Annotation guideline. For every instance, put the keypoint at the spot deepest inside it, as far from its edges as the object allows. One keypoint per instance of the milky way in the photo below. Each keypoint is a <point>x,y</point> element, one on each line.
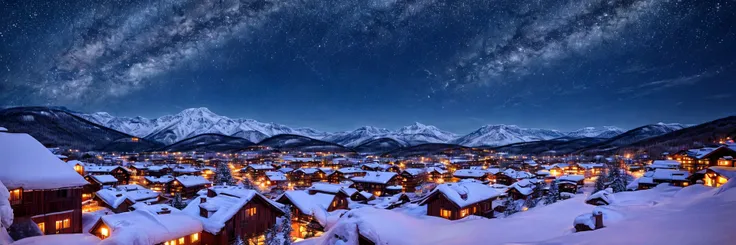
<point>498,53</point>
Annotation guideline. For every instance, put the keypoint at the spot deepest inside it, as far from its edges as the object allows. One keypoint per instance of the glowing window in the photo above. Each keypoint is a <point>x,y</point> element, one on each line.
<point>251,211</point>
<point>181,240</point>
<point>15,196</point>
<point>42,227</point>
<point>67,223</point>
<point>104,232</point>
<point>464,212</point>
<point>444,213</point>
<point>195,237</point>
<point>59,225</point>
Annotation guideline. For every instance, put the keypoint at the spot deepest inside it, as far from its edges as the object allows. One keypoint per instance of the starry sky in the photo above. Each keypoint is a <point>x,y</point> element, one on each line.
<point>341,64</point>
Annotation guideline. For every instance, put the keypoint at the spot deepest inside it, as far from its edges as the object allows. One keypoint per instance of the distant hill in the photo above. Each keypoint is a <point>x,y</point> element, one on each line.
<point>425,149</point>
<point>695,136</point>
<point>379,145</point>
<point>56,127</point>
<point>210,143</point>
<point>633,136</point>
<point>291,142</point>
<point>558,146</point>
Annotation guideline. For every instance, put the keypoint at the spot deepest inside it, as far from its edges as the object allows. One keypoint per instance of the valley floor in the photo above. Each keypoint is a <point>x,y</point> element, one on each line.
<point>663,215</point>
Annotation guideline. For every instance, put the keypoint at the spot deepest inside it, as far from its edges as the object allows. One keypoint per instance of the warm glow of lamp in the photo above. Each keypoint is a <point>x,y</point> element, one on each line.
<point>104,232</point>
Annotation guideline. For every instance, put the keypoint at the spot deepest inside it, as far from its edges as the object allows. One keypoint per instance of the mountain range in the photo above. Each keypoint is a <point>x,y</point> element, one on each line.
<point>196,121</point>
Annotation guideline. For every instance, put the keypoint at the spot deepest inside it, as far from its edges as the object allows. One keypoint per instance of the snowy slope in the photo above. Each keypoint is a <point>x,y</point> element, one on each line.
<point>593,132</point>
<point>496,135</point>
<point>637,134</point>
<point>195,121</point>
<point>414,134</point>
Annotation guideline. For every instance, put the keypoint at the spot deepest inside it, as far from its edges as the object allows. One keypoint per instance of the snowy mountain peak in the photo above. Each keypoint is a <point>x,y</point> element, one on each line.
<point>593,132</point>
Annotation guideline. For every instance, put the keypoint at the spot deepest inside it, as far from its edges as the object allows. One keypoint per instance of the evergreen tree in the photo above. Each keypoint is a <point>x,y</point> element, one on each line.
<point>223,175</point>
<point>600,182</point>
<point>239,241</point>
<point>537,196</point>
<point>511,207</point>
<point>177,202</point>
<point>618,181</point>
<point>286,226</point>
<point>553,194</point>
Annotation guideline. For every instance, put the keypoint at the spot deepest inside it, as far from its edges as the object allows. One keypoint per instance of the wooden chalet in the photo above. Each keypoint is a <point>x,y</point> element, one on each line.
<point>228,212</point>
<point>379,167</point>
<point>377,183</point>
<point>718,175</point>
<point>188,185</point>
<point>304,204</point>
<point>412,177</point>
<point>523,189</point>
<point>150,224</point>
<point>455,201</point>
<point>119,172</point>
<point>161,184</point>
<point>476,174</point>
<point>510,176</point>
<point>120,199</point>
<point>344,174</point>
<point>96,183</point>
<point>570,183</point>
<point>694,160</point>
<point>304,177</point>
<point>437,174</point>
<point>257,171</point>
<point>44,191</point>
<point>158,170</point>
<point>661,175</point>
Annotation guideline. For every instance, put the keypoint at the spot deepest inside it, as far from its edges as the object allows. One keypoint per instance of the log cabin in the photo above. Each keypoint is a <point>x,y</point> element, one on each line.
<point>304,177</point>
<point>412,177</point>
<point>376,182</point>
<point>149,224</point>
<point>188,185</point>
<point>159,184</point>
<point>44,191</point>
<point>570,183</point>
<point>304,205</point>
<point>523,189</point>
<point>717,176</point>
<point>660,175</point>
<point>480,175</point>
<point>228,212</point>
<point>695,160</point>
<point>96,183</point>
<point>344,174</point>
<point>120,199</point>
<point>158,170</point>
<point>119,172</point>
<point>437,174</point>
<point>455,201</point>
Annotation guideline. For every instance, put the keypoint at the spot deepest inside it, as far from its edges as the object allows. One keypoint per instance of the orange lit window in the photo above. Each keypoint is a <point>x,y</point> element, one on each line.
<point>42,227</point>
<point>195,237</point>
<point>59,225</point>
<point>16,196</point>
<point>67,223</point>
<point>251,211</point>
<point>464,212</point>
<point>444,213</point>
<point>181,240</point>
<point>104,232</point>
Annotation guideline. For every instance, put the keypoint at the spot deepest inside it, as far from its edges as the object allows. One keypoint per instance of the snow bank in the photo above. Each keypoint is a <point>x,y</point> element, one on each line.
<point>66,239</point>
<point>6,215</point>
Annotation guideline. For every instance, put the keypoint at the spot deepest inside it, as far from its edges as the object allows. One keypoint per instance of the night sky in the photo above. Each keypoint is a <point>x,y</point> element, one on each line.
<point>341,64</point>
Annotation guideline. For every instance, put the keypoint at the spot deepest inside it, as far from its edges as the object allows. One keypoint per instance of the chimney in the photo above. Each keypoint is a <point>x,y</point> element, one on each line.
<point>202,200</point>
<point>211,193</point>
<point>164,210</point>
<point>598,220</point>
<point>119,195</point>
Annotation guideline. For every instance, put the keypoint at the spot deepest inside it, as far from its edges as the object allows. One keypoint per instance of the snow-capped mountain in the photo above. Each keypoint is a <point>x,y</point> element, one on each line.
<point>195,121</point>
<point>414,134</point>
<point>593,132</point>
<point>355,137</point>
<point>638,134</point>
<point>496,135</point>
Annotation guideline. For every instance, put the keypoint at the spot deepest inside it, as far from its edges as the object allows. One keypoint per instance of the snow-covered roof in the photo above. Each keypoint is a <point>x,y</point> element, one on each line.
<point>493,170</point>
<point>436,169</point>
<point>414,171</point>
<point>388,201</point>
<point>157,168</point>
<point>727,172</point>
<point>161,180</point>
<point>286,170</point>
<point>543,172</point>
<point>114,196</point>
<point>375,177</point>
<point>222,207</point>
<point>466,193</point>
<point>516,174</point>
<point>327,187</point>
<point>666,174</point>
<point>260,166</point>
<point>469,173</point>
<point>26,163</point>
<point>591,165</point>
<point>307,170</point>
<point>524,187</point>
<point>664,164</point>
<point>571,178</point>
<point>702,152</point>
<point>603,195</point>
<point>275,176</point>
<point>102,169</point>
<point>350,170</point>
<point>149,225</point>
<point>104,179</point>
<point>309,204</point>
<point>191,181</point>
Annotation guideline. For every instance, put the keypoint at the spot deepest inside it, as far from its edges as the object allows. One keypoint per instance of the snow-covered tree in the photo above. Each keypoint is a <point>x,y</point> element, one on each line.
<point>537,196</point>
<point>223,175</point>
<point>553,194</point>
<point>6,214</point>
<point>286,226</point>
<point>617,180</point>
<point>280,233</point>
<point>600,182</point>
<point>177,202</point>
<point>239,241</point>
<point>511,206</point>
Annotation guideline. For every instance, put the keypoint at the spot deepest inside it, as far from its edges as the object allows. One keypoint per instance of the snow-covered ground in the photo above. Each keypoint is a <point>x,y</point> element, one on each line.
<point>662,215</point>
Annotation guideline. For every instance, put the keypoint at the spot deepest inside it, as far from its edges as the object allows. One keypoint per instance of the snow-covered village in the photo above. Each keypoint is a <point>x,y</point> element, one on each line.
<point>367,122</point>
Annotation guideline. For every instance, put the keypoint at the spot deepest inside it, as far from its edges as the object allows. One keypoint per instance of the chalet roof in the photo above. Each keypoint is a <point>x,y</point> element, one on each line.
<point>114,196</point>
<point>705,151</point>
<point>260,166</point>
<point>667,174</point>
<point>493,170</point>
<point>286,170</point>
<point>389,201</point>
<point>275,176</point>
<point>146,226</point>
<point>436,169</point>
<point>327,187</point>
<point>375,177</point>
<point>157,168</point>
<point>469,173</point>
<point>465,193</point>
<point>516,174</point>
<point>104,179</point>
<point>160,180</point>
<point>727,172</point>
<point>26,163</point>
<point>571,178</point>
<point>307,170</point>
<point>524,187</point>
<point>103,169</point>
<point>350,170</point>
<point>191,181</point>
<point>664,164</point>
<point>414,171</point>
<point>591,165</point>
<point>309,204</point>
<point>228,201</point>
